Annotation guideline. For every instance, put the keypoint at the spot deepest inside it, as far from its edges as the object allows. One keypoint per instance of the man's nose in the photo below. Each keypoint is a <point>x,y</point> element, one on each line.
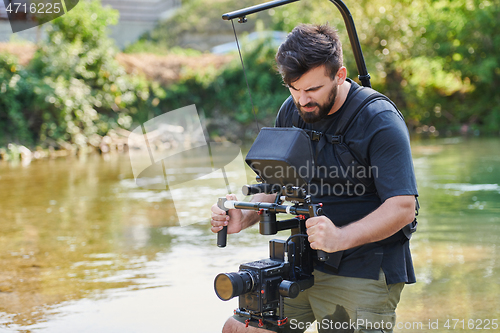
<point>304,98</point>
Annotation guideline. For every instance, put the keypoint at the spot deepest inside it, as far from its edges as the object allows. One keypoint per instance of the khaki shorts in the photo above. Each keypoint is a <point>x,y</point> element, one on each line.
<point>342,304</point>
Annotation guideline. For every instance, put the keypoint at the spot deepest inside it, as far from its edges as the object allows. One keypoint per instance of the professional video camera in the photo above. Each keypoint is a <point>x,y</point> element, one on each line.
<point>261,285</point>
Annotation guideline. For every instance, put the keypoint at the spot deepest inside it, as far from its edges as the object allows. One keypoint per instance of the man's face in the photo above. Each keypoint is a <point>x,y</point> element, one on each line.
<point>314,94</point>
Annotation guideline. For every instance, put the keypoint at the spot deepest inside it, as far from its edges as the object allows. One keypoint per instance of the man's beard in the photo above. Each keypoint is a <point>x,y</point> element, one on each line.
<point>323,110</point>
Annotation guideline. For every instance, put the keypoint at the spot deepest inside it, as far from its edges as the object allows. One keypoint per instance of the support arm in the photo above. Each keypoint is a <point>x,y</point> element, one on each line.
<point>363,75</point>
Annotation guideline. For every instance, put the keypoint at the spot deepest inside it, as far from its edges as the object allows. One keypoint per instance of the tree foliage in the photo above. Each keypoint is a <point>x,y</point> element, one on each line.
<point>437,59</point>
<point>223,97</point>
<point>16,94</point>
<point>73,90</point>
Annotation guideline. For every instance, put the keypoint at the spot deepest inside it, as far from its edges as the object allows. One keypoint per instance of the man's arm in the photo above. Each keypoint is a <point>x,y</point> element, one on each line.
<point>386,220</point>
<point>237,219</point>
<point>385,143</point>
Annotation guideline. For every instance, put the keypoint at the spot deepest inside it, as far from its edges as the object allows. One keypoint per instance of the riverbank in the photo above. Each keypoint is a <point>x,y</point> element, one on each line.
<point>114,141</point>
<point>157,72</point>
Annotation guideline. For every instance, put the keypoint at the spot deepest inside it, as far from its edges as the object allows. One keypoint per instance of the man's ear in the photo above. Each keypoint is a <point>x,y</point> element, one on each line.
<point>341,75</point>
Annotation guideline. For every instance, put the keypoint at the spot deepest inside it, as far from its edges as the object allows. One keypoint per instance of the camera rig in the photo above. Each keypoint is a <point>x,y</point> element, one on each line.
<point>262,285</point>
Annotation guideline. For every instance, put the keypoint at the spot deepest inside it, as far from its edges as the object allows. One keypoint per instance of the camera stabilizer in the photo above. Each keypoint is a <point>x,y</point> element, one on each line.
<point>262,285</point>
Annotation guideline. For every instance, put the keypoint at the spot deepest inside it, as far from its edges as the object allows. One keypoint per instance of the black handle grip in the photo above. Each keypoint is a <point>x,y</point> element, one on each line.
<point>322,255</point>
<point>316,210</point>
<point>222,234</point>
<point>222,237</point>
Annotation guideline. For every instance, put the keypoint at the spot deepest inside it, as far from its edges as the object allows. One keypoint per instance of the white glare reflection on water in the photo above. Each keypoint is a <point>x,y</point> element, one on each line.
<point>82,249</point>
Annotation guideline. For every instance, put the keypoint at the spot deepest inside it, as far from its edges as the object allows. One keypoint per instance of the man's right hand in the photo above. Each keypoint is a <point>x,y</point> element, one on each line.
<point>237,219</point>
<point>233,220</point>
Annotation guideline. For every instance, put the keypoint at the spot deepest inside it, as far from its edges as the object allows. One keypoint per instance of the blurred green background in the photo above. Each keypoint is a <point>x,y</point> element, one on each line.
<point>438,60</point>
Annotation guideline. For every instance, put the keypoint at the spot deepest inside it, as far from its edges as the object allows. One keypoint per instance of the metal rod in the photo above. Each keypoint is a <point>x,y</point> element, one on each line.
<point>363,76</point>
<point>255,9</point>
<point>273,208</point>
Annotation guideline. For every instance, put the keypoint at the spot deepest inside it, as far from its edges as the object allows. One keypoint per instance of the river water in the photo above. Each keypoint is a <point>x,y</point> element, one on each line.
<point>83,249</point>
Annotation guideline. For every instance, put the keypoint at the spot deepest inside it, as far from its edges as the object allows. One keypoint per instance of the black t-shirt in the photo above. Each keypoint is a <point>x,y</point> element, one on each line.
<point>378,137</point>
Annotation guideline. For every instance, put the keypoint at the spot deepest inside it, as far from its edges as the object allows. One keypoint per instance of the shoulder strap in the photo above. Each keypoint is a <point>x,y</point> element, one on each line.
<point>355,102</point>
<point>353,105</point>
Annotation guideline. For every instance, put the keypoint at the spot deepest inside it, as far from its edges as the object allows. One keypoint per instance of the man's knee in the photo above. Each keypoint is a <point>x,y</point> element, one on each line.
<point>231,326</point>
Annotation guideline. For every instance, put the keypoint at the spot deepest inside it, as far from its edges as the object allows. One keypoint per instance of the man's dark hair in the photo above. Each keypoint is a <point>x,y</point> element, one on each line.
<point>306,47</point>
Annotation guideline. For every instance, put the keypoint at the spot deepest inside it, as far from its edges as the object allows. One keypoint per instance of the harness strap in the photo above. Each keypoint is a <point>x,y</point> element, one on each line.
<point>361,97</point>
<point>354,104</point>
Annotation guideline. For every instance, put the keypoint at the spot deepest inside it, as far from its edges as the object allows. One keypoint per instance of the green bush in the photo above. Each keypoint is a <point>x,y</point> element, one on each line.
<point>84,91</point>
<point>16,94</point>
<point>465,34</point>
<point>73,90</point>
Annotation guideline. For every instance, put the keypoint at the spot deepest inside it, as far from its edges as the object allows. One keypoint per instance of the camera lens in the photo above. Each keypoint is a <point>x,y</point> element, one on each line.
<point>229,285</point>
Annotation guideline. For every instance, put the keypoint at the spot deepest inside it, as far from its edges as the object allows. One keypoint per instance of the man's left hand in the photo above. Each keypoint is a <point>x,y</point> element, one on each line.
<point>383,222</point>
<point>323,234</point>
